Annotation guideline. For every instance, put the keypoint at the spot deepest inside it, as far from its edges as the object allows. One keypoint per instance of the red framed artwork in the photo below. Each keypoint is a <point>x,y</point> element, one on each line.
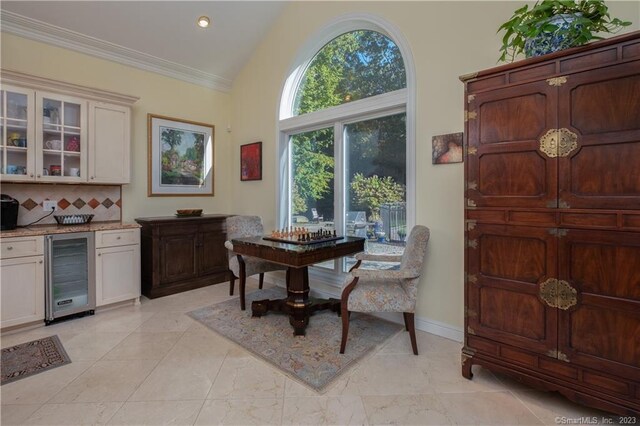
<point>251,161</point>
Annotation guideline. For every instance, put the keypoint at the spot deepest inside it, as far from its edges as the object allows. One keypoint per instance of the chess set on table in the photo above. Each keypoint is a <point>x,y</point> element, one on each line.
<point>302,236</point>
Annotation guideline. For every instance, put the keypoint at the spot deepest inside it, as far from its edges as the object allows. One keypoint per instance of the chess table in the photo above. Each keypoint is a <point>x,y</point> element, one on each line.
<point>297,258</point>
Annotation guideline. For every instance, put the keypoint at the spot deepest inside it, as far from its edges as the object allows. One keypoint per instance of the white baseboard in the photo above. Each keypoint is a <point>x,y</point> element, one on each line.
<point>423,324</point>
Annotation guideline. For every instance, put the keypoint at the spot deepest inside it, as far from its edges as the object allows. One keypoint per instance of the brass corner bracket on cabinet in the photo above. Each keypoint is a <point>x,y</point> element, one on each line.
<point>558,142</point>
<point>558,294</point>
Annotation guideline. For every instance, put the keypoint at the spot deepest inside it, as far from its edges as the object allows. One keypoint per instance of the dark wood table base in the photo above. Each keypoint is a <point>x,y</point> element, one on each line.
<point>297,304</point>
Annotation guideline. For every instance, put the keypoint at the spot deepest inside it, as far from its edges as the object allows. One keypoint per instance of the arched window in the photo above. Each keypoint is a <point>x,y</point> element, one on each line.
<point>344,145</point>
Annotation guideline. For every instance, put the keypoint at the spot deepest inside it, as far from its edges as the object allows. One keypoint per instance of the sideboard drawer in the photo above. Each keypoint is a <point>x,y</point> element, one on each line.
<point>119,237</point>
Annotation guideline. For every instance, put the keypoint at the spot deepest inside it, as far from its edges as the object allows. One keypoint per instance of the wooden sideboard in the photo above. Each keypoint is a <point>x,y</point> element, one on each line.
<point>180,254</point>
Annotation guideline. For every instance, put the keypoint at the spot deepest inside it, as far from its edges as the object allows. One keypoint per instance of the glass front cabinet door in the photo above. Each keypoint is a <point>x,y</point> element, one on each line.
<point>62,138</point>
<point>17,149</point>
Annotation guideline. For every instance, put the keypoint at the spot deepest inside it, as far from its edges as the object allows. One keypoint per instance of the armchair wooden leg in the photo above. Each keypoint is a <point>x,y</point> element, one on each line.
<point>232,283</point>
<point>411,327</point>
<point>344,313</point>
<point>243,280</point>
<point>406,322</point>
<point>261,281</point>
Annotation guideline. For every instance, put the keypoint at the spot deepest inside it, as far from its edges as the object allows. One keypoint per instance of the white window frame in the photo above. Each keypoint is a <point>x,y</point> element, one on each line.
<point>386,104</point>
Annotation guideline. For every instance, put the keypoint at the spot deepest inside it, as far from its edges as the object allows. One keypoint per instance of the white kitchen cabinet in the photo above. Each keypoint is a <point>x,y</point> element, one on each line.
<point>109,143</point>
<point>65,133</point>
<point>117,266</point>
<point>17,144</point>
<point>21,280</point>
<point>61,134</point>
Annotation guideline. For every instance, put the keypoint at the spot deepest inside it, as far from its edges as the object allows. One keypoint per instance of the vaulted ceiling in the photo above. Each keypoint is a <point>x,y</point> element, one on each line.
<point>160,36</point>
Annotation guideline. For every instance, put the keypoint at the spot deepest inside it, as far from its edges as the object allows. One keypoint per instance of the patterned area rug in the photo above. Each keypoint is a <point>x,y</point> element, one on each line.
<point>314,359</point>
<point>33,357</point>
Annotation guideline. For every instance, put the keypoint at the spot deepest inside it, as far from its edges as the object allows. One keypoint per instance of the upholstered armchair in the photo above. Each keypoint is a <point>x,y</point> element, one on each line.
<point>369,290</point>
<point>245,266</point>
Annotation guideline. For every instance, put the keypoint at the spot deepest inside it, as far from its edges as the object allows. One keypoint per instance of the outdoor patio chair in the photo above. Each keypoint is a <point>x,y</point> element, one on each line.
<point>316,216</point>
<point>245,266</point>
<point>370,290</point>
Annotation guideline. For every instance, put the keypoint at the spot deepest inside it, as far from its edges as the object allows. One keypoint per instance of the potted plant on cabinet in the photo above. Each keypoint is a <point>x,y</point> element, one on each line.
<point>552,25</point>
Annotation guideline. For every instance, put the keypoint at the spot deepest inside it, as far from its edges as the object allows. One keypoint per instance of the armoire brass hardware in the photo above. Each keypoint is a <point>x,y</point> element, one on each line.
<point>557,81</point>
<point>554,353</point>
<point>558,294</point>
<point>558,142</point>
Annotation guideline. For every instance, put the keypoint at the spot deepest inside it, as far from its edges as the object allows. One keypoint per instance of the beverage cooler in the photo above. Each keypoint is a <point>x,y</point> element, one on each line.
<point>70,275</point>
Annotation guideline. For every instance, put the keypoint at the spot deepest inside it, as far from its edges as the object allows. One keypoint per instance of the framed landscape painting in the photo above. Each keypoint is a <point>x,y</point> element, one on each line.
<point>251,161</point>
<point>180,157</point>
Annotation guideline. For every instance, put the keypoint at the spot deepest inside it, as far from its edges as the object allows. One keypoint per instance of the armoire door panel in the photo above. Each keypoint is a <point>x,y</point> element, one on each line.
<point>603,108</point>
<point>603,330</point>
<point>523,318</point>
<point>506,265</point>
<point>511,174</point>
<point>501,118</point>
<point>591,327</point>
<point>505,165</point>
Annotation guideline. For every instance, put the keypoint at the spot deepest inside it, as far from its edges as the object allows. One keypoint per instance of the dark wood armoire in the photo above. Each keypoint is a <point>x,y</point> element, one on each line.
<point>552,217</point>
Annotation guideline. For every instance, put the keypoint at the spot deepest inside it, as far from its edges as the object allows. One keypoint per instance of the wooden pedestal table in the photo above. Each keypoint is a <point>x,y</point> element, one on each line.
<point>297,258</point>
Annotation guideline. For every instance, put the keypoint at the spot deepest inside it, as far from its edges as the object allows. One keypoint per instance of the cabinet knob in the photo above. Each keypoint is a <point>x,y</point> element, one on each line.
<point>99,254</point>
<point>93,177</point>
<point>40,262</point>
<point>10,248</point>
<point>117,238</point>
<point>37,175</point>
<point>31,175</point>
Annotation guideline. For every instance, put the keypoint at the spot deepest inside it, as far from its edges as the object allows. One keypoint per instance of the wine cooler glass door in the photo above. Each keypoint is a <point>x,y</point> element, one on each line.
<point>70,275</point>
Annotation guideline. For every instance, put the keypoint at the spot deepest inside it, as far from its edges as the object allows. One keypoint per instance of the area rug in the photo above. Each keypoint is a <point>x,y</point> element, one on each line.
<point>313,359</point>
<point>33,357</point>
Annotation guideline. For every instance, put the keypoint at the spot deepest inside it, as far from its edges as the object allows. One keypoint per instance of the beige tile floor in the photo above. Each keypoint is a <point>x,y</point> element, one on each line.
<point>152,364</point>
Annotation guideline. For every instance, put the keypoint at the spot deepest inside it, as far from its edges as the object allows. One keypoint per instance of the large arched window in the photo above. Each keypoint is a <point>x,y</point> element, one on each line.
<point>344,145</point>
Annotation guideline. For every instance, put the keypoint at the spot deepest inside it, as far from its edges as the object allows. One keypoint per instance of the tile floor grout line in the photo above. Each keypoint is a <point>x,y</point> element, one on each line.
<point>515,395</point>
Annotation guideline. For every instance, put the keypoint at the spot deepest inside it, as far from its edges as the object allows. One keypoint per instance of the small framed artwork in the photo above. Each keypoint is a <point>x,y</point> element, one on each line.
<point>180,157</point>
<point>251,161</point>
<point>447,148</point>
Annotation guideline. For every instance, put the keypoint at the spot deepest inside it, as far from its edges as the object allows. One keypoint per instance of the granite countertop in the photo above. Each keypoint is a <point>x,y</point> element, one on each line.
<point>65,229</point>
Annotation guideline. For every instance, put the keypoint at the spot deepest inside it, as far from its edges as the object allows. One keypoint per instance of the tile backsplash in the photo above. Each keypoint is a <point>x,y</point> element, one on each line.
<point>103,201</point>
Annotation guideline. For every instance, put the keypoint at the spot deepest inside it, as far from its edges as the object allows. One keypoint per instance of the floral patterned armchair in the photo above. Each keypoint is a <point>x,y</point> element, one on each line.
<point>245,266</point>
<point>370,290</point>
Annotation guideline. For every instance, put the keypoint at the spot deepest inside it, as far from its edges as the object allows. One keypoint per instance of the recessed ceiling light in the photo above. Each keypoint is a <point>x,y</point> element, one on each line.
<point>203,21</point>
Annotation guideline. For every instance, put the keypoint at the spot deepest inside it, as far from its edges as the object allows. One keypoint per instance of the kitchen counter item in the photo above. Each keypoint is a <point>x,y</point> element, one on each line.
<point>73,219</point>
<point>9,213</point>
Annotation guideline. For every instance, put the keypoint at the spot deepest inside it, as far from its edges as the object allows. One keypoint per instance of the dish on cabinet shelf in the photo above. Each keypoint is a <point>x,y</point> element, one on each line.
<point>54,144</point>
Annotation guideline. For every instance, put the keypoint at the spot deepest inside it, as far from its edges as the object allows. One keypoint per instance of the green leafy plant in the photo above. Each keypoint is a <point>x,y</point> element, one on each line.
<point>588,17</point>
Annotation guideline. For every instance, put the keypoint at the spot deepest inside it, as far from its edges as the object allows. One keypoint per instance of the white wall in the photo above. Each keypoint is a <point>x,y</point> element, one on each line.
<point>158,95</point>
<point>447,39</point>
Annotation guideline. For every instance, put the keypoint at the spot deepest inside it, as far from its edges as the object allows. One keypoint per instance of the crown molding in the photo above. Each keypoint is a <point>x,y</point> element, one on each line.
<point>33,29</point>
